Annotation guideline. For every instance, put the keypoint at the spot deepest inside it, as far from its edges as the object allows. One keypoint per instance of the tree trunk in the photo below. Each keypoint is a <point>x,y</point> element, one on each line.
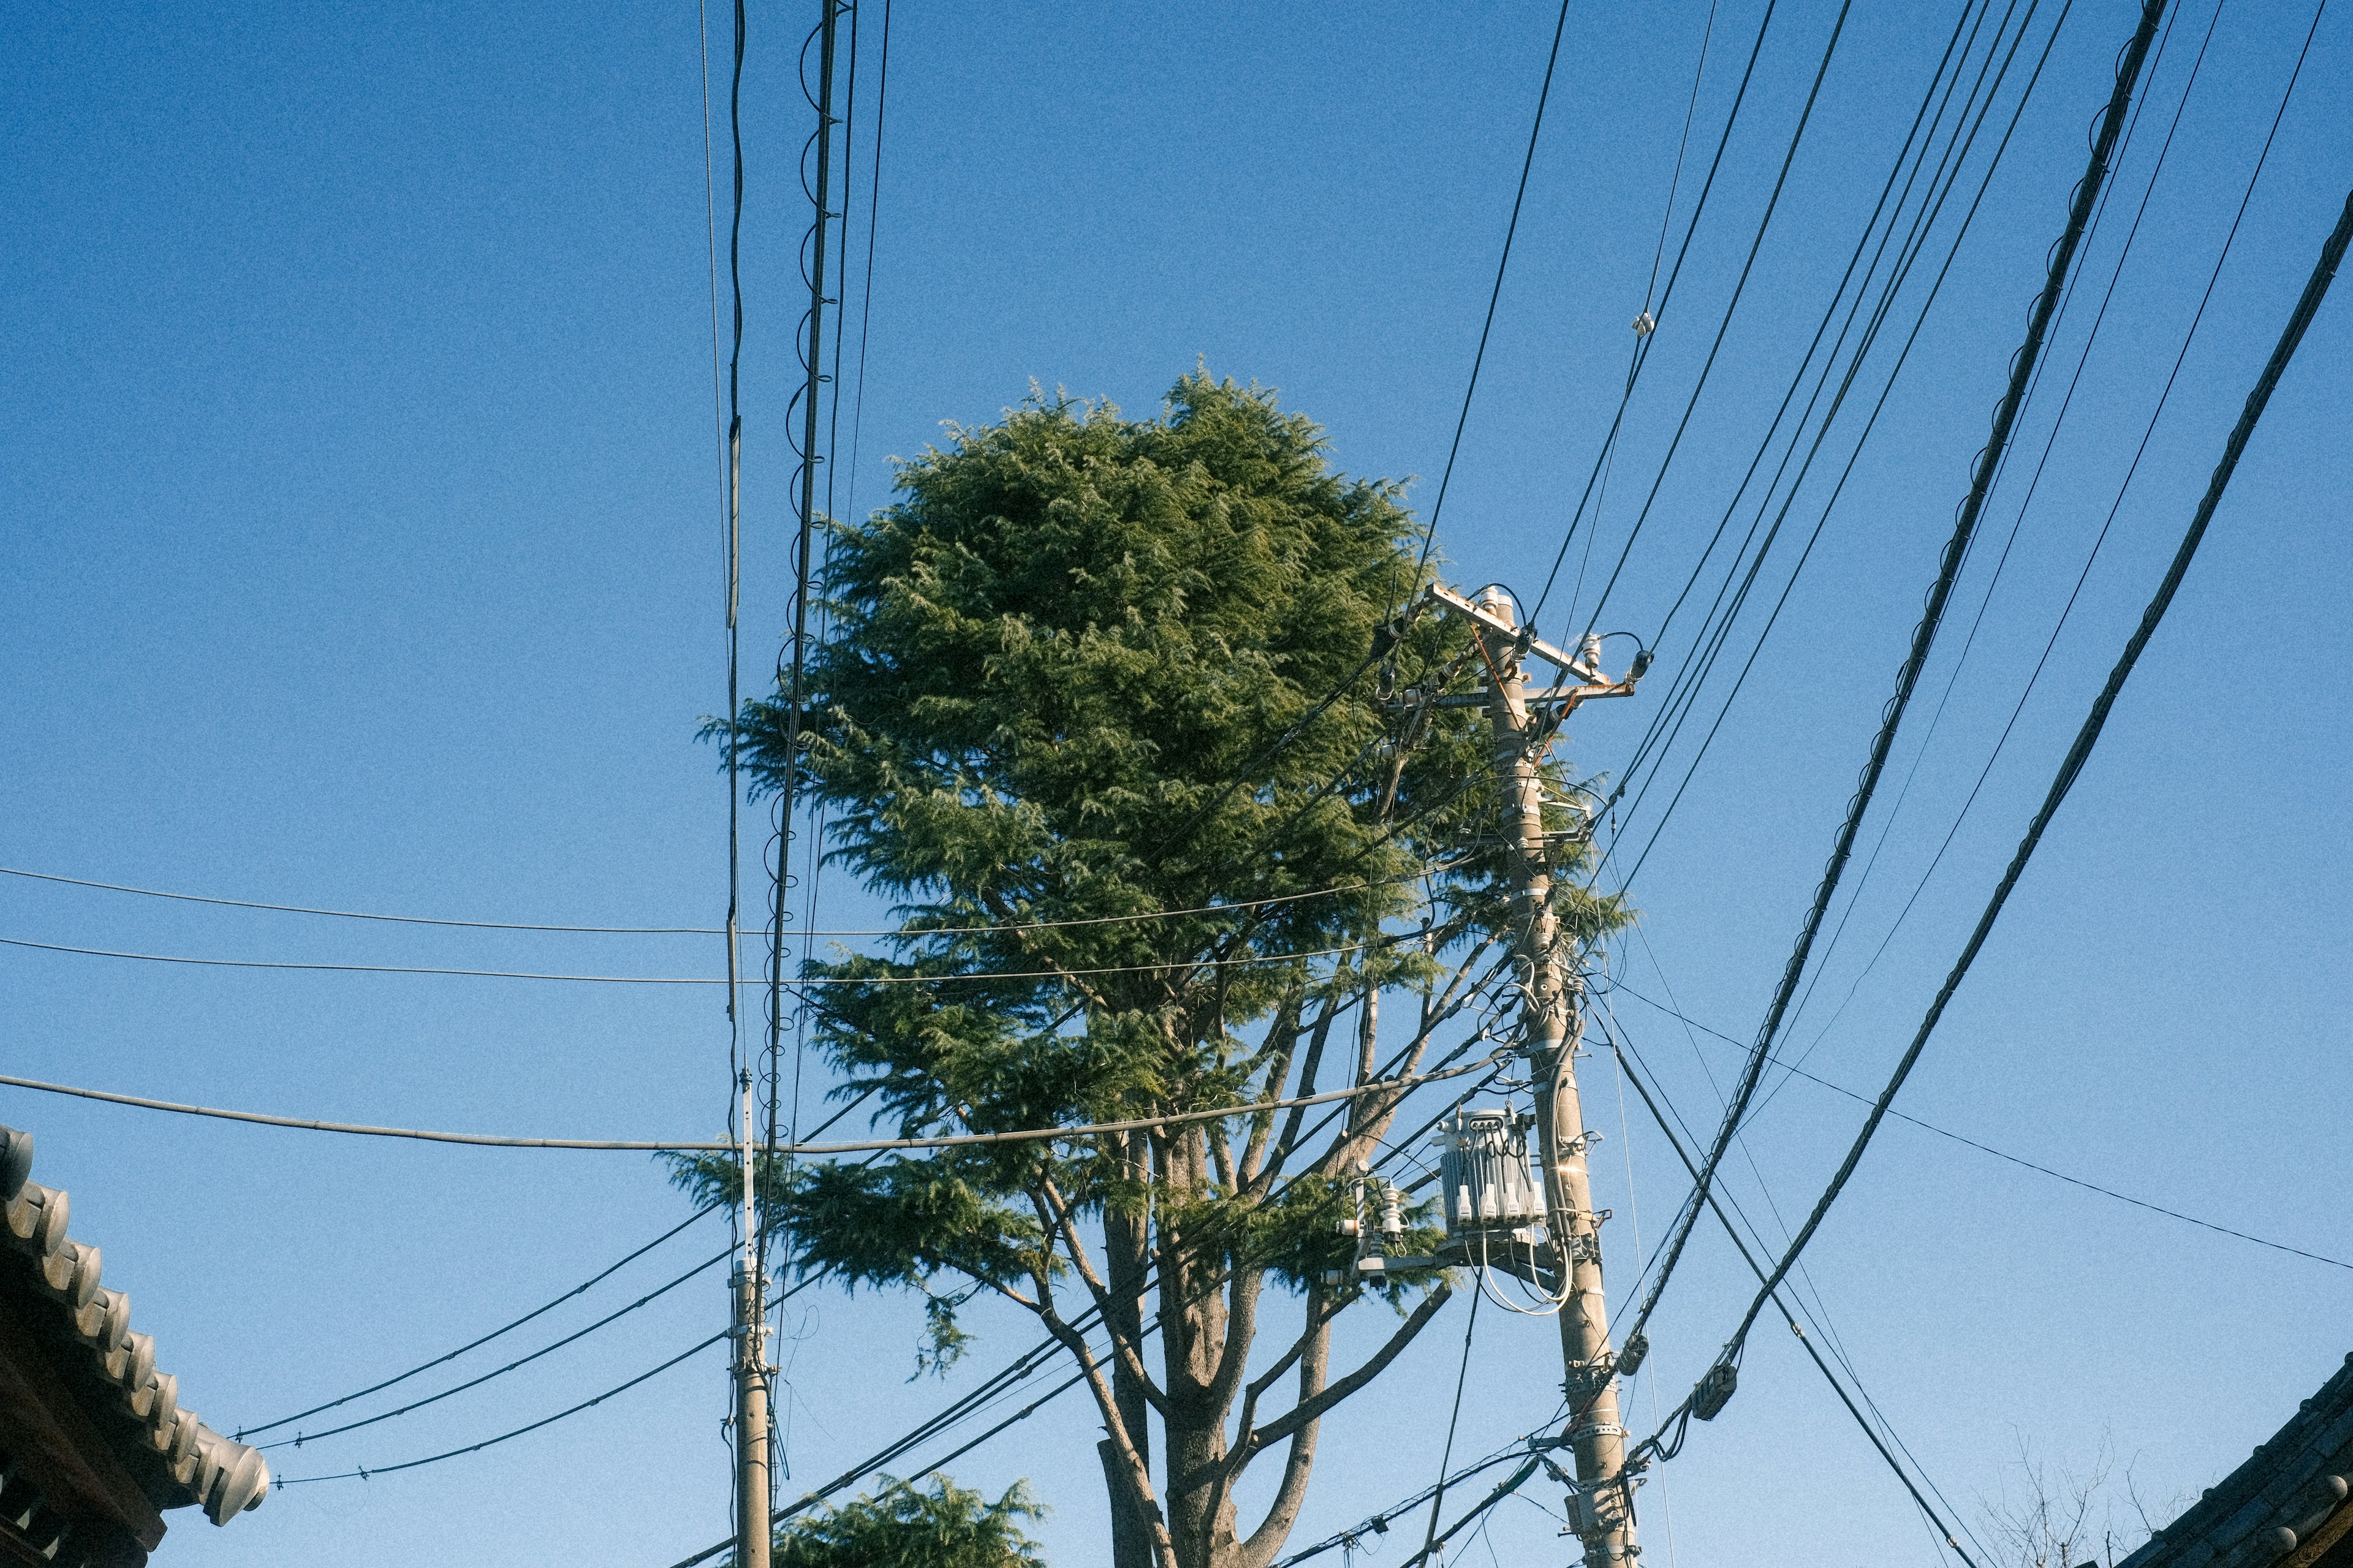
<point>1126,1238</point>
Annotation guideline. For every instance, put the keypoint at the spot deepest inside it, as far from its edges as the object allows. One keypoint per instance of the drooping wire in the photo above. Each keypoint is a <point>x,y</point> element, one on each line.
<point>1495,295</point>
<point>445,1358</point>
<point>1454,1416</point>
<point>2087,737</point>
<point>2060,266</point>
<point>1855,457</point>
<point>300,1439</point>
<point>365,1474</point>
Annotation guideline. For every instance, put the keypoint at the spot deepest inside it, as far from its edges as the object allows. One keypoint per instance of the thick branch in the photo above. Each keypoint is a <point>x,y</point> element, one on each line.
<point>1123,1348</point>
<point>1292,1492</point>
<point>1308,1410</point>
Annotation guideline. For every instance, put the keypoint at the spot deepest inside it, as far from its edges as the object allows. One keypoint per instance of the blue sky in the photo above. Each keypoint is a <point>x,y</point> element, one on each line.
<point>356,464</point>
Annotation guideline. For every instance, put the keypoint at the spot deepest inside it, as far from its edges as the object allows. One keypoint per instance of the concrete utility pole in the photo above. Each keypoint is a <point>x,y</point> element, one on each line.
<point>1551,1029</point>
<point>752,1538</point>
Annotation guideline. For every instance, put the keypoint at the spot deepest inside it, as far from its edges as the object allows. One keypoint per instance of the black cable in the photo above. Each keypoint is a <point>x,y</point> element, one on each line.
<point>1454,1416</point>
<point>1732,306</point>
<point>1543,94</point>
<point>2315,288</point>
<point>996,1385</point>
<point>2022,363</point>
<point>2026,691</point>
<point>301,1439</point>
<point>1814,1354</point>
<point>1682,694</point>
<point>1796,1071</point>
<point>244,1432</point>
<point>363,1474</point>
<point>1642,347</point>
<point>1838,490</point>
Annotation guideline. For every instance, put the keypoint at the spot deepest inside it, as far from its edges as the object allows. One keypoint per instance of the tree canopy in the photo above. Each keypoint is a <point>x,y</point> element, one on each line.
<point>940,1526</point>
<point>1134,720</point>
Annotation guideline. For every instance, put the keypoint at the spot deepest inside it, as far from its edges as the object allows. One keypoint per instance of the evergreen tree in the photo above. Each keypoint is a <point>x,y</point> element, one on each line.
<point>1141,679</point>
<point>941,1526</point>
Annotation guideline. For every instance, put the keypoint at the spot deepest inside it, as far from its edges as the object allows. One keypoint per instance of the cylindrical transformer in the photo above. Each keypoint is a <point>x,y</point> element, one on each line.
<point>1485,1169</point>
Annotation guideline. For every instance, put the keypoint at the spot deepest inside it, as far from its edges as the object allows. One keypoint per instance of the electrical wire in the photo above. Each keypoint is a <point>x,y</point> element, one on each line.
<point>1839,488</point>
<point>1495,295</point>
<point>1454,1416</point>
<point>244,1432</point>
<point>2026,691</point>
<point>1732,306</point>
<point>2071,767</point>
<point>1813,1353</point>
<point>959,978</point>
<point>301,1439</point>
<point>1642,345</point>
<point>1666,725</point>
<point>1796,1071</point>
<point>1235,908</point>
<point>2060,264</point>
<point>2018,518</point>
<point>364,1473</point>
<point>946,1140</point>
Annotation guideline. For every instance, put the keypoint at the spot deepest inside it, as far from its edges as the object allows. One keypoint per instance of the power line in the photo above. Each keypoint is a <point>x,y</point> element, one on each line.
<point>300,1438</point>
<point>1813,1353</point>
<point>1495,295</point>
<point>1764,224</point>
<point>946,1140</point>
<point>364,1473</point>
<point>1666,726</point>
<point>1189,963</point>
<point>2087,737</point>
<point>1002,1380</point>
<point>1794,1070</point>
<point>2034,677</point>
<point>1642,345</point>
<point>244,1432</point>
<point>1855,456</point>
<point>2061,263</point>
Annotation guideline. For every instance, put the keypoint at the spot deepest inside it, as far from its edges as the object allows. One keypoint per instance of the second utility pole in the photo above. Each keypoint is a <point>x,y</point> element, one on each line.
<point>1551,1030</point>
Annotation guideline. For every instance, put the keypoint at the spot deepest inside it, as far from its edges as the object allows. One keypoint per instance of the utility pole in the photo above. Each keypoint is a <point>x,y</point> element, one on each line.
<point>1551,1030</point>
<point>752,1538</point>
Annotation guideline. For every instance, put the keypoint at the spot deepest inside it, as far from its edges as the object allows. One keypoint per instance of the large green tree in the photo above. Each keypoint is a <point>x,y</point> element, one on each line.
<point>1097,692</point>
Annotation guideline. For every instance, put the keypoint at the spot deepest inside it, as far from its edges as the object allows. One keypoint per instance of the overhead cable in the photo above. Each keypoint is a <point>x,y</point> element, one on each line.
<point>1666,726</point>
<point>1812,1353</point>
<point>1855,457</point>
<point>2060,264</point>
<point>2071,767</point>
<point>2148,431</point>
<point>301,1439</point>
<point>364,1473</point>
<point>1794,1070</point>
<point>1184,964</point>
<point>1764,224</point>
<point>594,1280</point>
<point>1495,294</point>
<point>1235,908</point>
<point>947,1140</point>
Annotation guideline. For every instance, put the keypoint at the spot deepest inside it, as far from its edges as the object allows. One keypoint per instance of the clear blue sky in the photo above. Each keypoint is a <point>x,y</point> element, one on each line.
<point>356,460</point>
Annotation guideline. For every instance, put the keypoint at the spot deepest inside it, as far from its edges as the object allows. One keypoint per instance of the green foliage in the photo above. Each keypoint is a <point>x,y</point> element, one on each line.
<point>1115,709</point>
<point>943,1526</point>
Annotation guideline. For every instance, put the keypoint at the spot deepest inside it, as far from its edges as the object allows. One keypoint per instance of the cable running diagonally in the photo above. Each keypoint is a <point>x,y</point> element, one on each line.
<point>594,1280</point>
<point>2086,738</point>
<point>2060,264</point>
